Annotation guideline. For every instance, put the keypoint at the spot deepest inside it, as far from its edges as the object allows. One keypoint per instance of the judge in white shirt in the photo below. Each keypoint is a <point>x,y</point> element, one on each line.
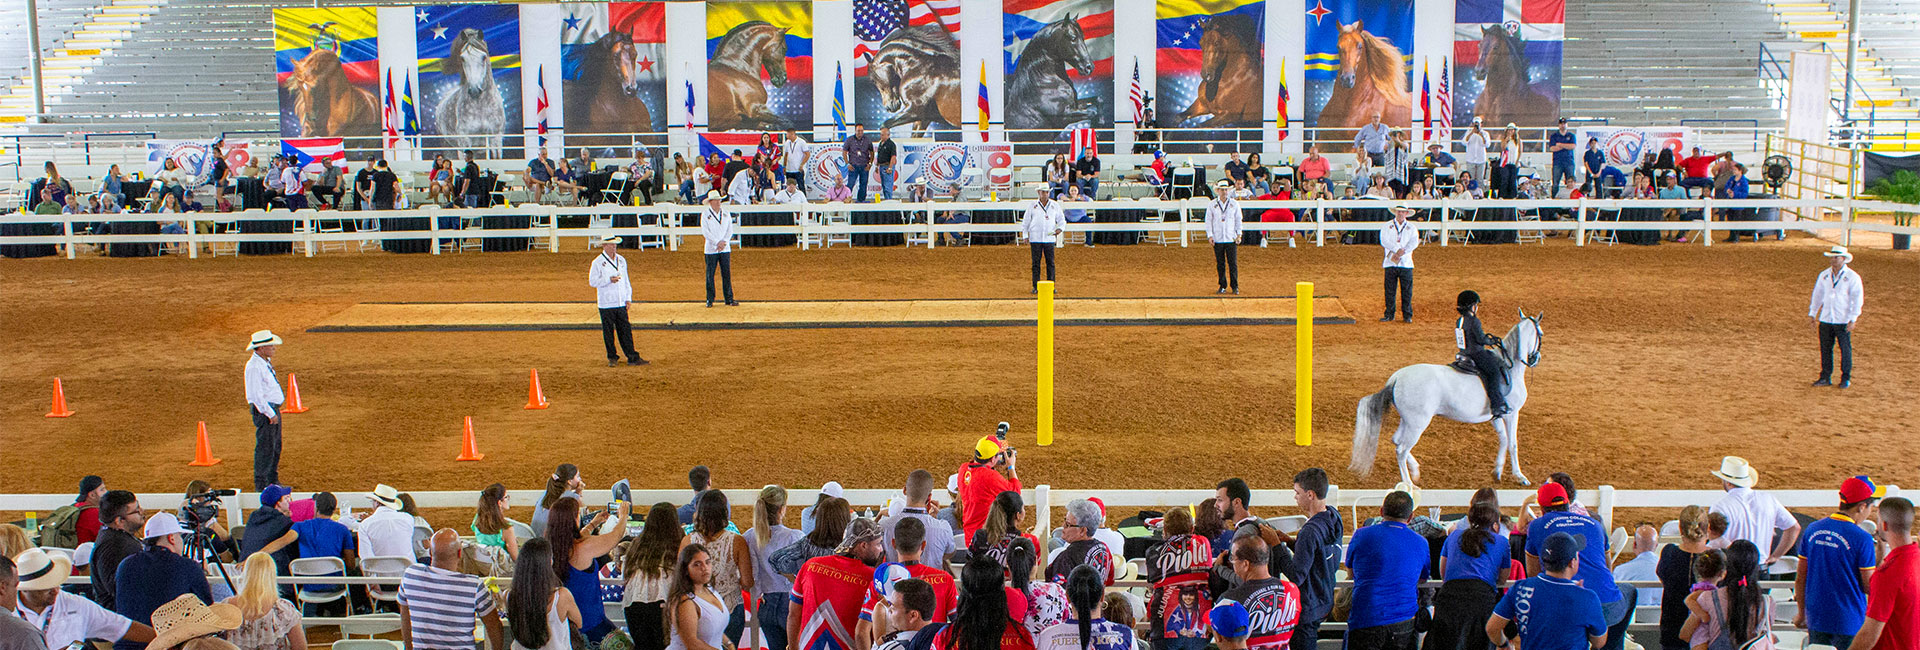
<point>716,227</point>
<point>263,401</point>
<point>1042,225</point>
<point>64,618</point>
<point>740,190</point>
<point>387,532</point>
<point>608,277</point>
<point>1835,308</point>
<point>1223,229</point>
<point>1398,239</point>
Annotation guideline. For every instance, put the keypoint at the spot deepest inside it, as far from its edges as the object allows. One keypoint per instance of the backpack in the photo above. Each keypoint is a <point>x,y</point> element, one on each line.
<point>62,528</point>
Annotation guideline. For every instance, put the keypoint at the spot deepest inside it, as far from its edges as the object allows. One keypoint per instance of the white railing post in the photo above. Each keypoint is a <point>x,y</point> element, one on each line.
<point>1580,223</point>
<point>193,236</point>
<point>801,220</point>
<point>1043,516</point>
<point>1605,504</point>
<point>931,235</point>
<point>1183,222</point>
<point>1706,223</point>
<point>312,229</point>
<point>433,226</point>
<point>553,229</point>
<point>1319,223</point>
<point>66,234</point>
<point>1446,223</point>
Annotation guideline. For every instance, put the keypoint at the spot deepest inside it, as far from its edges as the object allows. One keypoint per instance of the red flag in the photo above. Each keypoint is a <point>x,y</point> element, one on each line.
<point>1426,96</point>
<point>1082,140</point>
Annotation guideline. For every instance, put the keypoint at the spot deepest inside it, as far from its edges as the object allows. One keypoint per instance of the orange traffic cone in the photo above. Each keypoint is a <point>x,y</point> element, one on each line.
<point>60,409</point>
<point>203,451</point>
<point>536,399</point>
<point>468,449</point>
<point>293,392</point>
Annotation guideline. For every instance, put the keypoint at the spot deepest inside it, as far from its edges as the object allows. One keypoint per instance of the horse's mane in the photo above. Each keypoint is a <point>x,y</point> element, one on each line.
<point>1394,72</point>
<point>1516,52</point>
<point>323,72</point>
<point>737,38</point>
<point>1510,343</point>
<point>1048,32</point>
<point>599,58</point>
<point>1238,29</point>
<point>926,40</point>
<point>458,48</point>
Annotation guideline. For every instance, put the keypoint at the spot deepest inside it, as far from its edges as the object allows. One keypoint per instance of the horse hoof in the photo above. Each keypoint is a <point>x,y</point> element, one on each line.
<point>1524,481</point>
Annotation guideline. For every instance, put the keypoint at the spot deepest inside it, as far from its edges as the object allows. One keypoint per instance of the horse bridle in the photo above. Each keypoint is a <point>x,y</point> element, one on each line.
<point>1533,358</point>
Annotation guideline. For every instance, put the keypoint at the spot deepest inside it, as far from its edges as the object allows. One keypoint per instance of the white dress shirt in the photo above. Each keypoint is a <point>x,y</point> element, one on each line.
<point>1640,568</point>
<point>386,533</point>
<point>1223,220</point>
<point>1476,149</point>
<point>1753,516</point>
<point>740,191</point>
<point>1836,299</point>
<point>785,197</point>
<point>613,293</point>
<point>72,618</point>
<point>1042,221</point>
<point>1398,236</point>
<point>716,226</point>
<point>263,389</point>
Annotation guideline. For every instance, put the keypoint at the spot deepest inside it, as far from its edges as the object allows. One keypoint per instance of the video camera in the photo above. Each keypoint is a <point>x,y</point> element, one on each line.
<point>202,509</point>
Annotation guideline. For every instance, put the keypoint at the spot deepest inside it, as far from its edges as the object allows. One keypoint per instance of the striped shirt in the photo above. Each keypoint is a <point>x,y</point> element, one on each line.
<point>443,606</point>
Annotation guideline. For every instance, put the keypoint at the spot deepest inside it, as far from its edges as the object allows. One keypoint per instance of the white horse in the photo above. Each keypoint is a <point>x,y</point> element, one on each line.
<point>474,108</point>
<point>1422,391</point>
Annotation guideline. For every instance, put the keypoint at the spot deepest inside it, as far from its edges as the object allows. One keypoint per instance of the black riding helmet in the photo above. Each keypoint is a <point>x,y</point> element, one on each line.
<point>1466,301</point>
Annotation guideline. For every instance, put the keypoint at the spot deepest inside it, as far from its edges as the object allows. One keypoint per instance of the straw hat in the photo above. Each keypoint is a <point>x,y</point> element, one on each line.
<point>1735,470</point>
<point>385,495</point>
<point>263,337</point>
<point>39,569</point>
<point>1839,251</point>
<point>186,618</point>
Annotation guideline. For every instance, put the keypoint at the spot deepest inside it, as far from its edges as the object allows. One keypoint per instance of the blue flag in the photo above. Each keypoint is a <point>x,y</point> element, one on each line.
<point>839,105</point>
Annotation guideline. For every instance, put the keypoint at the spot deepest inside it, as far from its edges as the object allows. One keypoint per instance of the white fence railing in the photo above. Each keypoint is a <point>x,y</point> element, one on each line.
<point>816,222</point>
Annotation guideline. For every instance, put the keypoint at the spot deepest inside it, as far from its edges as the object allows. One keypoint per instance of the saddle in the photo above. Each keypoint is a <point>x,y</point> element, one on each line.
<point>1465,364</point>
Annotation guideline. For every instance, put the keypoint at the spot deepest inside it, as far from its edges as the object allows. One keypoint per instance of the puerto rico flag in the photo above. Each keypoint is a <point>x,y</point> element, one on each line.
<point>1084,139</point>
<point>308,151</point>
<point>724,142</point>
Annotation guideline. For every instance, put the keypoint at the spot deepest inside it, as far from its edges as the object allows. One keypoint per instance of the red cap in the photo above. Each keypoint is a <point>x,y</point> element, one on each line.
<point>1859,488</point>
<point>1552,494</point>
<point>1103,505</point>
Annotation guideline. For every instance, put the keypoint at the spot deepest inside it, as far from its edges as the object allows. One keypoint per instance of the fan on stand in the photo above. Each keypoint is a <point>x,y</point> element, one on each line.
<point>1775,170</point>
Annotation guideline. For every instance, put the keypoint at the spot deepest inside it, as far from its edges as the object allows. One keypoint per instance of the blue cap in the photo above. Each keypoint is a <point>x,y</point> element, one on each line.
<point>271,495</point>
<point>1560,549</point>
<point>1229,620</point>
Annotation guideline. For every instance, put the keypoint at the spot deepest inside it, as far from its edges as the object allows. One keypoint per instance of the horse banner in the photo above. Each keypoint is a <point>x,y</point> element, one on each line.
<point>326,63</point>
<point>1358,54</point>
<point>747,40</point>
<point>1626,147</point>
<point>195,157</point>
<point>1059,67</point>
<point>1506,58</point>
<point>906,68</point>
<point>613,77</point>
<point>469,61</point>
<point>1210,66</point>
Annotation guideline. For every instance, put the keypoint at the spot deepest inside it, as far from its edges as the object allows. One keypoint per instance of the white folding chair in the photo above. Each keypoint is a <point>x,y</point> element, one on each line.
<point>371,225</point>
<point>541,220</point>
<point>384,567</point>
<point>319,594</point>
<point>839,217</point>
<point>616,186</point>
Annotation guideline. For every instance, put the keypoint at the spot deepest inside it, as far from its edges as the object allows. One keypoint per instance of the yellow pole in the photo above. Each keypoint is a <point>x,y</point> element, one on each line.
<point>1044,423</point>
<point>1303,364</point>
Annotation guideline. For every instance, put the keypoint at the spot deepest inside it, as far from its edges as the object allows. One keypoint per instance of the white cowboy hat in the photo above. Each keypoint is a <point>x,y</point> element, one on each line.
<point>1511,125</point>
<point>39,569</point>
<point>1839,251</point>
<point>609,239</point>
<point>385,495</point>
<point>1403,207</point>
<point>1735,470</point>
<point>714,195</point>
<point>186,618</point>
<point>263,337</point>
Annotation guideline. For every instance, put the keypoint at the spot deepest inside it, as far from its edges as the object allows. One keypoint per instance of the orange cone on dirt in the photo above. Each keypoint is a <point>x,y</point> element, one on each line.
<point>469,450</point>
<point>536,399</point>
<point>203,450</point>
<point>293,396</point>
<point>60,409</point>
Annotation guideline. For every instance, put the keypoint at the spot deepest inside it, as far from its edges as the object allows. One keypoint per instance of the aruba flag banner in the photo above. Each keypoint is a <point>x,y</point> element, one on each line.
<point>740,37</point>
<point>1385,28</point>
<point>479,111</point>
<point>1506,61</point>
<point>337,56</point>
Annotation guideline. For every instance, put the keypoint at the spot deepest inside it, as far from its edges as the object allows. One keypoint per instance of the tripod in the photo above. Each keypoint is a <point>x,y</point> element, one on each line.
<point>200,547</point>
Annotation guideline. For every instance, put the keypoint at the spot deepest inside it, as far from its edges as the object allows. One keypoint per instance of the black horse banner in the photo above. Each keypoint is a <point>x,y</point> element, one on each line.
<point>906,70</point>
<point>1059,68</point>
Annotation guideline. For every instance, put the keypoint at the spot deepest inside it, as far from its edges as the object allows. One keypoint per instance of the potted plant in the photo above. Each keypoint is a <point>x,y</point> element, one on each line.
<point>1902,187</point>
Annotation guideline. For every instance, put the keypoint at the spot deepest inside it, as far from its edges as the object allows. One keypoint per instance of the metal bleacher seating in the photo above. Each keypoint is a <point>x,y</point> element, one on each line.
<point>1641,62</point>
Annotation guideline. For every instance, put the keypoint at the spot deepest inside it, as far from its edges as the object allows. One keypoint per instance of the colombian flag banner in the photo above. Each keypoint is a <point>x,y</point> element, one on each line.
<point>327,66</point>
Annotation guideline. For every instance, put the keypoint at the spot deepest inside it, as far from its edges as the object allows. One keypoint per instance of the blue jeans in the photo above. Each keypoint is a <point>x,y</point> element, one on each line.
<point>1088,186</point>
<point>773,620</point>
<point>1562,170</point>
<point>1841,641</point>
<point>887,175</point>
<point>686,191</point>
<point>736,624</point>
<point>857,182</point>
<point>1618,615</point>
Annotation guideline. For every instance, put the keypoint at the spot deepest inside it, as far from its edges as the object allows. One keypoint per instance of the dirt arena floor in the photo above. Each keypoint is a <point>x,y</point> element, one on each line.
<point>1656,362</point>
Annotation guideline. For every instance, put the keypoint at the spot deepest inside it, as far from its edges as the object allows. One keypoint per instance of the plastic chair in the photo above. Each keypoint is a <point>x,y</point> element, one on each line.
<point>385,567</point>
<point>616,186</point>
<point>318,594</point>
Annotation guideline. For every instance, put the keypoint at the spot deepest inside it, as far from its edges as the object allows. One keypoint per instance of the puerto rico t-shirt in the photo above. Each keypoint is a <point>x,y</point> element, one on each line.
<point>1090,552</point>
<point>1178,604</point>
<point>1102,635</point>
<point>1273,608</point>
<point>1553,614</point>
<point>829,591</point>
<point>945,595</point>
<point>1832,553</point>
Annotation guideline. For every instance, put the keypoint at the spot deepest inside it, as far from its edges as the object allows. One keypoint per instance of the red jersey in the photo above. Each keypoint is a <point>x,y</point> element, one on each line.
<point>829,591</point>
<point>1893,597</point>
<point>1696,166</point>
<point>979,484</point>
<point>1178,604</point>
<point>945,595</point>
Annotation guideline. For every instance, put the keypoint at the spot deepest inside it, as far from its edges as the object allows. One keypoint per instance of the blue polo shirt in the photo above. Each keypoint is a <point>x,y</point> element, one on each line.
<point>1595,160</point>
<point>1495,560</point>
<point>1388,562</point>
<point>1594,572</point>
<point>1553,614</point>
<point>1562,157</point>
<point>1832,553</point>
<point>323,537</point>
<point>149,579</point>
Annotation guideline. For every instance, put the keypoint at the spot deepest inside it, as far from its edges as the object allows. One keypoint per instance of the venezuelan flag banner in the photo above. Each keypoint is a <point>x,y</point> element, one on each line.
<point>759,65</point>
<point>327,66</point>
<point>1209,64</point>
<point>469,61</point>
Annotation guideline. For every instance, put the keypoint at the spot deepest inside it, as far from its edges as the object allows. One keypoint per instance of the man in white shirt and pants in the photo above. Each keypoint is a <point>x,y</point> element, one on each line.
<point>387,532</point>
<point>1751,515</point>
<point>1223,229</point>
<point>1837,296</point>
<point>609,277</point>
<point>1398,238</point>
<point>263,401</point>
<point>716,227</point>
<point>1042,225</point>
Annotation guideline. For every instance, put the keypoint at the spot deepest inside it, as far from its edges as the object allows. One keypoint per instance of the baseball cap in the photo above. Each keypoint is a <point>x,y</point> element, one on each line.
<point>83,554</point>
<point>988,447</point>
<point>1860,488</point>
<point>833,489</point>
<point>1560,549</point>
<point>1229,619</point>
<point>1552,494</point>
<point>161,525</point>
<point>271,495</point>
<point>1102,504</point>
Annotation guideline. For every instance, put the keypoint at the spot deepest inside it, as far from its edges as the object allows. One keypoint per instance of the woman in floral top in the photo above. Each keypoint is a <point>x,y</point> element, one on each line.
<point>1045,603</point>
<point>268,622</point>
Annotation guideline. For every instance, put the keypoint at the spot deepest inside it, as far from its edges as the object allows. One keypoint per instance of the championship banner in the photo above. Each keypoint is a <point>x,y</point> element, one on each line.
<point>1358,56</point>
<point>1209,65</point>
<point>1626,147</point>
<point>906,70</point>
<point>469,61</point>
<point>826,163</point>
<point>326,65</point>
<point>615,80</point>
<point>744,42</point>
<point>1506,57</point>
<point>194,157</point>
<point>1059,66</point>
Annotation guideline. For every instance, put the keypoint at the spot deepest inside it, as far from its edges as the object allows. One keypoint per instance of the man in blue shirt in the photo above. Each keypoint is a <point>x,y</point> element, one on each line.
<point>1595,161</point>
<point>1736,188</point>
<point>1836,562</point>
<point>1437,156</point>
<point>1388,562</point>
<point>321,536</point>
<point>1553,611</point>
<point>1616,603</point>
<point>157,575</point>
<point>1561,143</point>
<point>1372,139</point>
<point>539,173</point>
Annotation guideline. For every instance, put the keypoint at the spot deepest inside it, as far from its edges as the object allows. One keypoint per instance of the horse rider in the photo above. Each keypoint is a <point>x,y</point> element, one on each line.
<point>1472,342</point>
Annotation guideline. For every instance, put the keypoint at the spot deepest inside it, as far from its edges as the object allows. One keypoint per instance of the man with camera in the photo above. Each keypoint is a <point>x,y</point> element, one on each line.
<point>981,480</point>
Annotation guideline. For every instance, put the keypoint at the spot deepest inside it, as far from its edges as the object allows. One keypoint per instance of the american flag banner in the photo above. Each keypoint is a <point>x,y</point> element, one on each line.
<point>1137,95</point>
<point>875,20</point>
<point>389,114</point>
<point>1443,100</point>
<point>922,30</point>
<point>540,103</point>
<point>1529,36</point>
<point>1083,139</point>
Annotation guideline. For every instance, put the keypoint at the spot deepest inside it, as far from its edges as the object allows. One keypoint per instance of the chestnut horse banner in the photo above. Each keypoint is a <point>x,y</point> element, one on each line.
<point>1359,62</point>
<point>614,76</point>
<point>759,65</point>
<point>326,64</point>
<point>1208,57</point>
<point>1506,58</point>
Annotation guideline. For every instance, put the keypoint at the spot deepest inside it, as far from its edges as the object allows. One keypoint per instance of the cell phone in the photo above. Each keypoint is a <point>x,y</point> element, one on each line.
<point>613,508</point>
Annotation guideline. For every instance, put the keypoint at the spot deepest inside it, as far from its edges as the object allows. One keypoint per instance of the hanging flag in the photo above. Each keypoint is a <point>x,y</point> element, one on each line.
<point>307,152</point>
<point>1280,120</point>
<point>839,105</point>
<point>389,115</point>
<point>1084,139</point>
<point>985,120</point>
<point>540,103</point>
<point>1445,98</point>
<point>1426,97</point>
<point>1137,95</point>
<point>409,117</point>
<point>689,105</point>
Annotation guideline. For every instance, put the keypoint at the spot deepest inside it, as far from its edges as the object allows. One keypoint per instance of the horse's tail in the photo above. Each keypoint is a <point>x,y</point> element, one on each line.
<point>1366,428</point>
